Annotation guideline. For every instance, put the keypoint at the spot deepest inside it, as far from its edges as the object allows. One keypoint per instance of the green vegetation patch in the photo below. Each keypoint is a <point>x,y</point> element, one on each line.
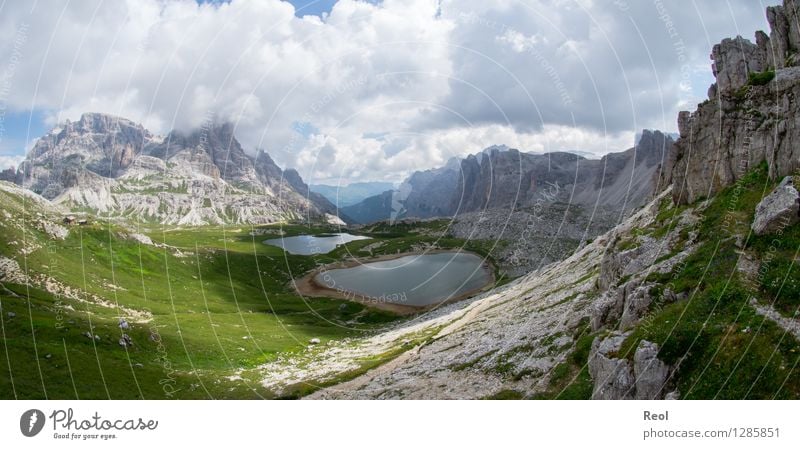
<point>722,349</point>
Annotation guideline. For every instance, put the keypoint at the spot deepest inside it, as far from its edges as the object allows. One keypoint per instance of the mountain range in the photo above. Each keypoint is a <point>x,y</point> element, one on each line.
<point>506,178</point>
<point>685,288</point>
<point>114,167</point>
<point>347,195</point>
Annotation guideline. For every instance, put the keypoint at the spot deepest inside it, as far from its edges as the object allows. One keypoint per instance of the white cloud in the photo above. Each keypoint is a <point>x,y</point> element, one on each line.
<point>386,88</point>
<point>10,161</point>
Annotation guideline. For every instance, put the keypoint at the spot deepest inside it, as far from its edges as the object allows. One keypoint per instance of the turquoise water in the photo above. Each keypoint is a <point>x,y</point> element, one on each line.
<point>418,280</point>
<point>306,245</point>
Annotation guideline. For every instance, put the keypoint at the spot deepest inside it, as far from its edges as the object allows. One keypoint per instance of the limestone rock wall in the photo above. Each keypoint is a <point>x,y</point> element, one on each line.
<point>745,121</point>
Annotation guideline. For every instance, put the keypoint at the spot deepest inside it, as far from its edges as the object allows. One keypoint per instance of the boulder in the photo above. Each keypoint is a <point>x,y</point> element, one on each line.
<point>314,341</point>
<point>125,341</point>
<point>613,377</point>
<point>651,374</point>
<point>778,210</point>
<point>637,303</point>
<point>607,310</point>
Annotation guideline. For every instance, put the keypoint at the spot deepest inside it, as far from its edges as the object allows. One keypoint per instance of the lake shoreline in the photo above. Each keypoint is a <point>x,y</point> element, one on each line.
<point>307,285</point>
<point>312,245</point>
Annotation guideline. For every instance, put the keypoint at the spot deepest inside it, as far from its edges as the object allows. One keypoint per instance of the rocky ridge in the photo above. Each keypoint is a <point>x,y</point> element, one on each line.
<point>113,167</point>
<point>751,114</point>
<point>507,179</point>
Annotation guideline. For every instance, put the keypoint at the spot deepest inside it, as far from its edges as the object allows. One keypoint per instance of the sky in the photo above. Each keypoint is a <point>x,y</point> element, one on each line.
<point>355,90</point>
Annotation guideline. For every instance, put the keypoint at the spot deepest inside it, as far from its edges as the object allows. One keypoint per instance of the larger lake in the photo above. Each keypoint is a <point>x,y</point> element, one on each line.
<point>418,280</point>
<point>306,245</point>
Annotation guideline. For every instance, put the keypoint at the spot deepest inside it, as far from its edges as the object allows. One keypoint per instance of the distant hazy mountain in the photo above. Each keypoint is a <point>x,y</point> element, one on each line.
<point>504,178</point>
<point>350,194</point>
<point>111,165</point>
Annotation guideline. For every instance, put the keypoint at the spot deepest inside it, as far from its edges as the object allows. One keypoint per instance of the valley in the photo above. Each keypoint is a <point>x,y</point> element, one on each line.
<point>199,304</point>
<point>135,265</point>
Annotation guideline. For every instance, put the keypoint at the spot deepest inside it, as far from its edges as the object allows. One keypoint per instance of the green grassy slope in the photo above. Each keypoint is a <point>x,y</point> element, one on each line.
<point>220,301</point>
<point>720,346</point>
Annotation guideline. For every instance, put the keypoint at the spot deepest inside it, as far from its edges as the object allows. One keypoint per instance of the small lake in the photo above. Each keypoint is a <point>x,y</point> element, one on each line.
<point>417,280</point>
<point>307,245</point>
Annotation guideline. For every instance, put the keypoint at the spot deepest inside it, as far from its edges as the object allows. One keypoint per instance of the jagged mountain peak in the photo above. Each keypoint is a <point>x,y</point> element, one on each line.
<point>102,122</point>
<point>113,165</point>
<point>501,177</point>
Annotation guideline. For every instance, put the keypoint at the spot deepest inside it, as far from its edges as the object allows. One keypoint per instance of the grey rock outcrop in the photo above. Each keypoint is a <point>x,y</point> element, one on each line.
<point>610,267</point>
<point>9,175</point>
<point>779,209</point>
<point>621,307</point>
<point>673,395</point>
<point>734,60</point>
<point>651,373</point>
<point>102,144</point>
<point>743,123</point>
<point>613,377</point>
<point>626,297</point>
<point>607,310</point>
<point>636,305</point>
<point>785,34</point>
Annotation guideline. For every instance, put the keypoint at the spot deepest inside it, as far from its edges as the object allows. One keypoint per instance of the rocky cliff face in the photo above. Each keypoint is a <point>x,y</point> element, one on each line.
<point>99,143</point>
<point>751,114</point>
<point>430,193</point>
<point>507,179</point>
<point>511,179</point>
<point>373,208</point>
<point>113,166</point>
